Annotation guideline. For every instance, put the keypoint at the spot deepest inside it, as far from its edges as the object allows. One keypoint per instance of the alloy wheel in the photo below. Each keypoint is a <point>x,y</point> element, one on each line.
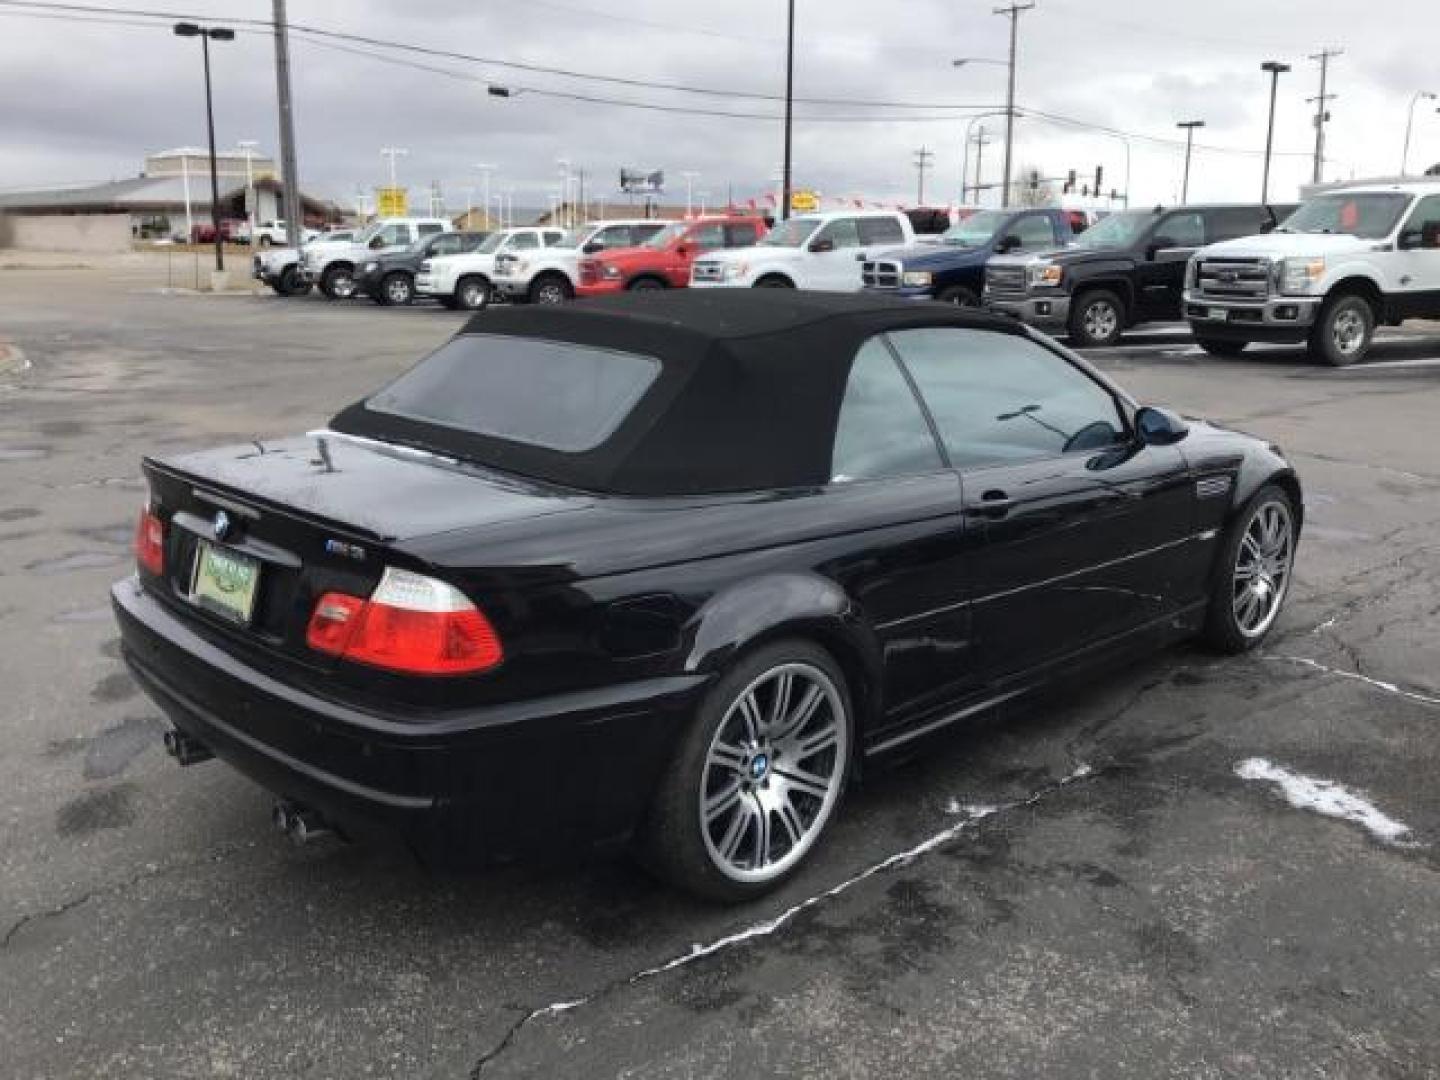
<point>773,772</point>
<point>398,289</point>
<point>1348,331</point>
<point>1262,568</point>
<point>473,295</point>
<point>551,292</point>
<point>1101,320</point>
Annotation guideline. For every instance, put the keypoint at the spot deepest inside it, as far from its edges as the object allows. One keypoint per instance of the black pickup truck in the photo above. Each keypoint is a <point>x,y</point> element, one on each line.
<point>389,277</point>
<point>1128,269</point>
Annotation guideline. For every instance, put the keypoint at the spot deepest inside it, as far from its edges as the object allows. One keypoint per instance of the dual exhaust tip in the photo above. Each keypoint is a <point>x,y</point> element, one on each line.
<point>186,749</point>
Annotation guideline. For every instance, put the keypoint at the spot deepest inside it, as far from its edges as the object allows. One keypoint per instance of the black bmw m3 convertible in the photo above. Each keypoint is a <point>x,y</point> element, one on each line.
<point>662,570</point>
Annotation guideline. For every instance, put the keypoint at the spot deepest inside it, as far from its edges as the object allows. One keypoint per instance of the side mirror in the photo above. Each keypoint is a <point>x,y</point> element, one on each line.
<point>818,246</point>
<point>376,242</point>
<point>682,250</point>
<point>1159,427</point>
<point>1007,244</point>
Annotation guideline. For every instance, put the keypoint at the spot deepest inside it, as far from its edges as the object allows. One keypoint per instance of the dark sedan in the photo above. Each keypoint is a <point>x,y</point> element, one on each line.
<point>662,570</point>
<point>389,277</point>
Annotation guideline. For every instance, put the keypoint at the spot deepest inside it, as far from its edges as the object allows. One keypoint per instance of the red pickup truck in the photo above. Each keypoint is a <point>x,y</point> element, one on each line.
<point>663,261</point>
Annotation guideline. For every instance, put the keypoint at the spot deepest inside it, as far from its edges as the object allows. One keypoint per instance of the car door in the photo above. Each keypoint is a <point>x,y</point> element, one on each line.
<point>1161,274</point>
<point>445,244</point>
<point>909,584</point>
<point>1082,531</point>
<point>830,263</point>
<point>697,241</point>
<point>1415,278</point>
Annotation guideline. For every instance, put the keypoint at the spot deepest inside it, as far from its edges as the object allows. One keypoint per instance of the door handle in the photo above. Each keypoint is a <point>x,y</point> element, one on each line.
<point>993,503</point>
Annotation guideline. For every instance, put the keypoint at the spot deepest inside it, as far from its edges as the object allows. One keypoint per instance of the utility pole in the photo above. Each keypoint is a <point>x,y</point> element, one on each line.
<point>289,169</point>
<point>1322,113</point>
<point>1276,69</point>
<point>1013,14</point>
<point>789,107</point>
<point>485,170</point>
<point>689,176</point>
<point>1189,126</point>
<point>923,158</point>
<point>982,140</point>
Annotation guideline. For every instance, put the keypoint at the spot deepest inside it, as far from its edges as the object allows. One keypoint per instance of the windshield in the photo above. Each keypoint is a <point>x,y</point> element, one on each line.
<point>1367,216</point>
<point>492,243</point>
<point>575,237</point>
<point>976,230</point>
<point>791,233</point>
<point>364,235</point>
<point>1118,230</point>
<point>666,236</point>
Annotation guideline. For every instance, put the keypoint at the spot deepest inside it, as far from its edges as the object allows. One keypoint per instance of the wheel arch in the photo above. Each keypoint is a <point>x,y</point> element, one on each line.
<point>647,275</point>
<point>768,275</point>
<point>1121,287</point>
<point>1362,286</point>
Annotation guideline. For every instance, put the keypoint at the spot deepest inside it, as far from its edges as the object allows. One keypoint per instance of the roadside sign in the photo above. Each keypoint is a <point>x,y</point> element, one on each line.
<point>804,202</point>
<point>642,181</point>
<point>391,202</point>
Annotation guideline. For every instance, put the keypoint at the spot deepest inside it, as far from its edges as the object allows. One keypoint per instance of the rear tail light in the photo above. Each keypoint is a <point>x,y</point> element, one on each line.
<point>411,623</point>
<point>150,542</point>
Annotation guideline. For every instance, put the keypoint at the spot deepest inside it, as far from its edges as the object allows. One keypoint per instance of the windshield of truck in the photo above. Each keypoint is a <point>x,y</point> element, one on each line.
<point>792,233</point>
<point>976,230</point>
<point>1369,216</point>
<point>492,243</point>
<point>668,235</point>
<point>1118,230</point>
<point>373,229</point>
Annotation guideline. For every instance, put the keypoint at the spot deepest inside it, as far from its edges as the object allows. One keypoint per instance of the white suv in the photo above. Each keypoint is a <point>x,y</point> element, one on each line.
<point>466,281</point>
<point>331,264</point>
<point>549,276</point>
<point>1345,262</point>
<point>813,251</point>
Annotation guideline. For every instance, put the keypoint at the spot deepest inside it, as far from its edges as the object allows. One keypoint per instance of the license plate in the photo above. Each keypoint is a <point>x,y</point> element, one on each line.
<point>1219,314</point>
<point>225,582</point>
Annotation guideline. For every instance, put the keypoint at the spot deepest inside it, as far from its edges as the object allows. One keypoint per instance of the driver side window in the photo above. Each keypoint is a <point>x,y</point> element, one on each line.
<point>1425,220</point>
<point>1034,232</point>
<point>842,232</point>
<point>1181,231</point>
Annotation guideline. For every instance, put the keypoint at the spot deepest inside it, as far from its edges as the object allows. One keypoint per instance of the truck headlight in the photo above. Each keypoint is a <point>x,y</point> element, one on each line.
<point>1298,275</point>
<point>735,270</point>
<point>1046,276</point>
<point>916,277</point>
<point>610,273</point>
<point>370,268</point>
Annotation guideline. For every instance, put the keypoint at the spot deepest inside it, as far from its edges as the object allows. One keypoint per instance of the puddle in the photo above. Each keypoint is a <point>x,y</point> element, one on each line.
<point>111,751</point>
<point>80,560</point>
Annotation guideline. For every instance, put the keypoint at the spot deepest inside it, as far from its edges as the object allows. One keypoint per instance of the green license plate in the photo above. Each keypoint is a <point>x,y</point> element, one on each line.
<point>225,582</point>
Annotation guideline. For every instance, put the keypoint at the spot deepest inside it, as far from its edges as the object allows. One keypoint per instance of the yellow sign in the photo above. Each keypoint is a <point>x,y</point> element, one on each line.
<point>804,202</point>
<point>391,202</point>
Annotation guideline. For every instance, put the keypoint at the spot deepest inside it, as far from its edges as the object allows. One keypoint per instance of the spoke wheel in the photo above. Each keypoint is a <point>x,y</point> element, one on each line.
<point>773,772</point>
<point>1097,319</point>
<point>399,289</point>
<point>1259,559</point>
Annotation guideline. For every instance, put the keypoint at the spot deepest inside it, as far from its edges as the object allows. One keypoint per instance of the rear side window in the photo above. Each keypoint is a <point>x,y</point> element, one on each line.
<point>553,237</point>
<point>549,394</point>
<point>707,237</point>
<point>881,431</point>
<point>523,241</point>
<point>741,235</point>
<point>880,230</point>
<point>1236,221</point>
<point>429,228</point>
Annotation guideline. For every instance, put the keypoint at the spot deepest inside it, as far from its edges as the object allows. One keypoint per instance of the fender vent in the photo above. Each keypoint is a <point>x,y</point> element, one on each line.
<point>1212,487</point>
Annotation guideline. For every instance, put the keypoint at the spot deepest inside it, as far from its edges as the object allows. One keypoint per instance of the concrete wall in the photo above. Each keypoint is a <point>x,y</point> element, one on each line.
<point>65,232</point>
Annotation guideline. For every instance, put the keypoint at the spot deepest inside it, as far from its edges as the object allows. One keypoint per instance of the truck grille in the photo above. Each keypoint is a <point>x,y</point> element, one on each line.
<point>707,271</point>
<point>1005,282</point>
<point>1233,279</point>
<point>880,274</point>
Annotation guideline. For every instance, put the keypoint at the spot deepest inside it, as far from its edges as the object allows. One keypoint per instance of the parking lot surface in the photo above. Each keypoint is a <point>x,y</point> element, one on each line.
<point>1141,876</point>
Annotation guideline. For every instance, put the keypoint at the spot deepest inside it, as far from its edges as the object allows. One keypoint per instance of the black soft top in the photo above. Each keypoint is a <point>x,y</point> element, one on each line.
<point>748,396</point>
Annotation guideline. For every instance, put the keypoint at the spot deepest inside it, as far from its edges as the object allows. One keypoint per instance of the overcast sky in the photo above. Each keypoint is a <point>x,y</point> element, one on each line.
<point>83,102</point>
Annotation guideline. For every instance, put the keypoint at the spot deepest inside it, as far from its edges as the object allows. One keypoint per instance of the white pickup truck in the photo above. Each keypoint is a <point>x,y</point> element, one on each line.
<point>331,264</point>
<point>270,233</point>
<point>280,267</point>
<point>813,251</point>
<point>548,276</point>
<point>1345,262</point>
<point>467,280</point>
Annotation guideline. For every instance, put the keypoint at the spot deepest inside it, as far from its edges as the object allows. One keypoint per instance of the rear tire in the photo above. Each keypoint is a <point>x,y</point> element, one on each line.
<point>551,289</point>
<point>1097,319</point>
<point>757,777</point>
<point>1218,347</point>
<point>774,281</point>
<point>472,294</point>
<point>290,283</point>
<point>1253,572</point>
<point>396,289</point>
<point>338,282</point>
<point>1343,330</point>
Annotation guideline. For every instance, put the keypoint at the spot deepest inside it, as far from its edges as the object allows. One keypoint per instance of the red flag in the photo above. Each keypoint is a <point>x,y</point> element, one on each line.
<point>770,198</point>
<point>751,203</point>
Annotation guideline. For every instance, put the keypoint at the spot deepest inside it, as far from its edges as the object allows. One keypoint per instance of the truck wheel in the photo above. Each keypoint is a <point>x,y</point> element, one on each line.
<point>338,282</point>
<point>646,284</point>
<point>1220,347</point>
<point>1343,330</point>
<point>290,283</point>
<point>472,293</point>
<point>959,296</point>
<point>774,281</point>
<point>550,289</point>
<point>397,288</point>
<point>1097,319</point>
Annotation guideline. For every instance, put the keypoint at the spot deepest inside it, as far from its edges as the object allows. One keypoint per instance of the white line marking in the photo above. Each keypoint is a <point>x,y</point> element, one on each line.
<point>1379,684</point>
<point>1329,798</point>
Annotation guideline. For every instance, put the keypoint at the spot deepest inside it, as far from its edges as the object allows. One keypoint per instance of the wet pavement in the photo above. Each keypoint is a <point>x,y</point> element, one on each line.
<point>1103,885</point>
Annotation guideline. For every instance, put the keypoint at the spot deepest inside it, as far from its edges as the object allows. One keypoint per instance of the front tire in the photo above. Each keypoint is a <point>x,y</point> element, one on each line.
<point>757,777</point>
<point>290,283</point>
<point>959,296</point>
<point>1097,319</point>
<point>338,282</point>
<point>1252,578</point>
<point>1220,347</point>
<point>472,294</point>
<point>1343,330</point>
<point>396,290</point>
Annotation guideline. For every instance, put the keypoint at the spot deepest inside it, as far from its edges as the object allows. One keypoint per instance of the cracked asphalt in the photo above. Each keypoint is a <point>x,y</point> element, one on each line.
<point>1082,888</point>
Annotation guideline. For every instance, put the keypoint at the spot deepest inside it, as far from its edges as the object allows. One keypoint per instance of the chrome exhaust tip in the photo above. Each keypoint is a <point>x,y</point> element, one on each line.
<point>185,749</point>
<point>308,826</point>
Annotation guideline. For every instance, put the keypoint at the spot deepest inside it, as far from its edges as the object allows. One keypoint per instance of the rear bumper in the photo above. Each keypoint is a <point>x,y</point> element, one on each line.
<point>503,781</point>
<point>1045,312</point>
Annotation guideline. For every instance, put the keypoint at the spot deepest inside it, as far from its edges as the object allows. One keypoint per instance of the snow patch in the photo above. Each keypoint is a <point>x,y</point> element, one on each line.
<point>1327,797</point>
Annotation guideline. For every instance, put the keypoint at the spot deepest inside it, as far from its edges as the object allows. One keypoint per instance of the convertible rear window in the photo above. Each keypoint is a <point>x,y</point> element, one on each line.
<point>550,394</point>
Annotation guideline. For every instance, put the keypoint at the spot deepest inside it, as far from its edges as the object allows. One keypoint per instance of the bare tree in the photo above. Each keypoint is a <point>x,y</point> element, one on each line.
<point>1027,193</point>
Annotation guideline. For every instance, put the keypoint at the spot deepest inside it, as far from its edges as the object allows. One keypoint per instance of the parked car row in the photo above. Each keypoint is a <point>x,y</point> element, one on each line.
<point>1325,274</point>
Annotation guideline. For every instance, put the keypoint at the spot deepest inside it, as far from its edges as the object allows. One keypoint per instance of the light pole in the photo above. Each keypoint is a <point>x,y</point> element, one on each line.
<point>1013,14</point>
<point>205,34</point>
<point>1322,114</point>
<point>1276,69</point>
<point>564,165</point>
<point>965,151</point>
<point>789,107</point>
<point>249,146</point>
<point>393,152</point>
<point>485,170</point>
<point>1420,95</point>
<point>689,191</point>
<point>1189,126</point>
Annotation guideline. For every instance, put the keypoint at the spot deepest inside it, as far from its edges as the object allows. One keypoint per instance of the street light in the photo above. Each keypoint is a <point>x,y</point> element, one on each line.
<point>690,177</point>
<point>1276,69</point>
<point>1420,95</point>
<point>485,170</point>
<point>205,34</point>
<point>393,152</point>
<point>965,154</point>
<point>1189,126</point>
<point>249,146</point>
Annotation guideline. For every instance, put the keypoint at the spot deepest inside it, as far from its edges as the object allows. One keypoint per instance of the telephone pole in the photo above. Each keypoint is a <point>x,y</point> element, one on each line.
<point>982,140</point>
<point>1322,113</point>
<point>789,107</point>
<point>923,157</point>
<point>1189,126</point>
<point>289,169</point>
<point>1013,14</point>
